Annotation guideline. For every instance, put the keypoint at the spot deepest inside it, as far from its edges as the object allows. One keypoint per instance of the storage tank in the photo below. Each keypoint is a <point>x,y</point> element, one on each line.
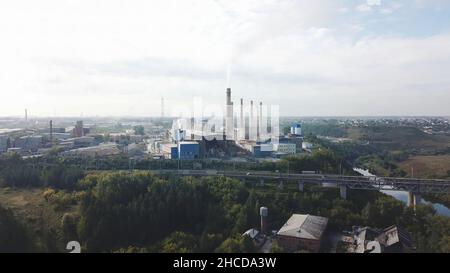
<point>298,130</point>
<point>264,212</point>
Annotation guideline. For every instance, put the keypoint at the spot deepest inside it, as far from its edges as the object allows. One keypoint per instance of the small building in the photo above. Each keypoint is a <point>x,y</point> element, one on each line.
<point>307,145</point>
<point>371,240</point>
<point>286,148</point>
<point>297,140</point>
<point>302,232</point>
<point>252,233</point>
<point>395,240</point>
<point>257,237</point>
<point>169,150</point>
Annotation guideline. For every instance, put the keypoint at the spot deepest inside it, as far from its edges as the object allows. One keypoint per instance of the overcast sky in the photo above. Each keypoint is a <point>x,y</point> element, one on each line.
<point>310,57</point>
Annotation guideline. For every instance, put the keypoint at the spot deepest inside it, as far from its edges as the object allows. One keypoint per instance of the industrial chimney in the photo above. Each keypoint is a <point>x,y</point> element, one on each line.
<point>51,133</point>
<point>264,212</point>
<point>242,125</point>
<point>229,127</point>
<point>251,126</point>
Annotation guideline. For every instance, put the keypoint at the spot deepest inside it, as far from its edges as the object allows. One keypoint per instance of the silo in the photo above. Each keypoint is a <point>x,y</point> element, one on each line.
<point>263,212</point>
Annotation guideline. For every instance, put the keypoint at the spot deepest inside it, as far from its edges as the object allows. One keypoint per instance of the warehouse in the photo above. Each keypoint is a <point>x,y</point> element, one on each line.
<point>302,232</point>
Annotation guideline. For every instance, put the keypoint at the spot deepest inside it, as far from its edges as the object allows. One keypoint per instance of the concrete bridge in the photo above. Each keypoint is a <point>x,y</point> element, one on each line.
<point>414,186</point>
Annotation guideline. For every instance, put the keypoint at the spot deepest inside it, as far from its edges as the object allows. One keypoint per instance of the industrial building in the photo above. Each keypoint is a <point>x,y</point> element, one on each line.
<point>3,143</point>
<point>29,143</point>
<point>302,232</point>
<point>252,123</point>
<point>136,150</point>
<point>188,150</point>
<point>296,129</point>
<point>79,130</point>
<point>259,150</point>
<point>285,148</point>
<point>182,150</point>
<point>107,149</point>
<point>77,142</point>
<point>57,136</point>
<point>54,130</point>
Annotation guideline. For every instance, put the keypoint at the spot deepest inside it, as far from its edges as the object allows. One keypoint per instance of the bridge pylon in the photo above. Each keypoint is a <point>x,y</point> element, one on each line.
<point>261,182</point>
<point>414,199</point>
<point>343,191</point>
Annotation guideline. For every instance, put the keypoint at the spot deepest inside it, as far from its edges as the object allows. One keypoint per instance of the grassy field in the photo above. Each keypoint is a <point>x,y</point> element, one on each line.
<point>428,166</point>
<point>38,216</point>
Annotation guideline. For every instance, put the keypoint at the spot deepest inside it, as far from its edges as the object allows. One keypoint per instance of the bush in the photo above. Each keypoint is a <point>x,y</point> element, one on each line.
<point>60,199</point>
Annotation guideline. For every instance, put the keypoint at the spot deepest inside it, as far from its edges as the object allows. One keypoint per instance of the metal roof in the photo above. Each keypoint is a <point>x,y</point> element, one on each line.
<point>304,226</point>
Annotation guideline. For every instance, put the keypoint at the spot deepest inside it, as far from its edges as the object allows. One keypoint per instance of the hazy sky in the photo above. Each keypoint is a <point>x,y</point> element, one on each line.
<point>314,57</point>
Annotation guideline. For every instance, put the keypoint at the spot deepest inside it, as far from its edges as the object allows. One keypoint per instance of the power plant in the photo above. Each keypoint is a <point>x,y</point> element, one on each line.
<point>248,124</point>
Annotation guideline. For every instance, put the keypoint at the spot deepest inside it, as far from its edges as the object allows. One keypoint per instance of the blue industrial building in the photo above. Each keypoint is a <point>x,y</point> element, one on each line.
<point>188,150</point>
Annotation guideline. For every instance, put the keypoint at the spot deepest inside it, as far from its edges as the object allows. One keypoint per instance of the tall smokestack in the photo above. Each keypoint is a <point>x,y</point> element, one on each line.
<point>51,133</point>
<point>26,114</point>
<point>242,129</point>
<point>251,125</point>
<point>260,123</point>
<point>257,124</point>
<point>229,127</point>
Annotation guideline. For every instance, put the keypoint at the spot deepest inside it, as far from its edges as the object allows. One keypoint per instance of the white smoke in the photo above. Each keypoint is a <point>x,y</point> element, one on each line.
<point>265,20</point>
